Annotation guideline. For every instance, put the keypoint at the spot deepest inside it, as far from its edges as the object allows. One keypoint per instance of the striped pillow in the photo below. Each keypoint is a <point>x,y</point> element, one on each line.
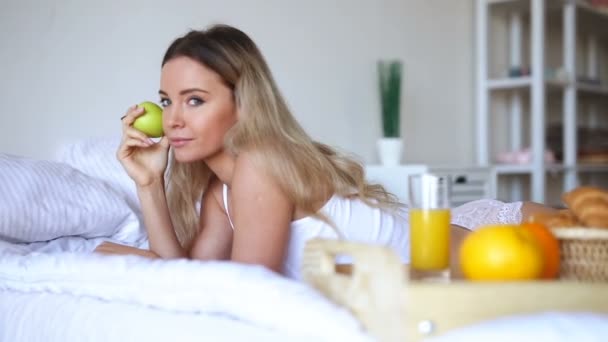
<point>96,157</point>
<point>43,200</point>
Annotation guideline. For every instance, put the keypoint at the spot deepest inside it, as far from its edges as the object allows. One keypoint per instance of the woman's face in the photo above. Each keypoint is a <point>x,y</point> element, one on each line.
<point>198,109</point>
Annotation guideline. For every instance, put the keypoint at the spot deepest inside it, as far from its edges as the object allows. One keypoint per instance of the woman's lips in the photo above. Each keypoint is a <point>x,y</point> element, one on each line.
<point>179,142</point>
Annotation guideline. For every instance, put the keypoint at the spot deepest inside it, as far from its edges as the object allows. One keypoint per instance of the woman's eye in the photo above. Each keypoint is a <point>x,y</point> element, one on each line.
<point>164,102</point>
<point>195,101</point>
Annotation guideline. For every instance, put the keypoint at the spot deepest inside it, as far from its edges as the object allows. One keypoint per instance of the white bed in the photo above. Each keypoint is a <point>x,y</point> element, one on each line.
<point>53,288</point>
<point>32,317</point>
<point>86,297</point>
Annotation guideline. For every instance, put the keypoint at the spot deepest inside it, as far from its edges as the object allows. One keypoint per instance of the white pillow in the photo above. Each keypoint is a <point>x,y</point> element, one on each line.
<point>43,200</point>
<point>96,157</point>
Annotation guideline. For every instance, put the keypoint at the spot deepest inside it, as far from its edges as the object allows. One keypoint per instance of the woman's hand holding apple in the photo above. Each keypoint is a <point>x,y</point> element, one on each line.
<point>144,160</point>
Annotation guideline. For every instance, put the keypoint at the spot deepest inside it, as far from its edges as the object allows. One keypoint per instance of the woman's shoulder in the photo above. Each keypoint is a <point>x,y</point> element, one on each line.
<point>248,170</point>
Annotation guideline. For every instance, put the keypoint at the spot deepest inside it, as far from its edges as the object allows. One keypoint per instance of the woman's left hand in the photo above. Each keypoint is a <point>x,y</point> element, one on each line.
<point>110,248</point>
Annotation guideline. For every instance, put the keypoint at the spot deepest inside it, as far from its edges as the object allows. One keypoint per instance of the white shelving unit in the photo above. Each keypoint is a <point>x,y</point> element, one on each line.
<point>533,14</point>
<point>468,183</point>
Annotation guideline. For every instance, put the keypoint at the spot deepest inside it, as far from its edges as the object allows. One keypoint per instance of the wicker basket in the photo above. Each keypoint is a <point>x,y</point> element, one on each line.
<point>584,253</point>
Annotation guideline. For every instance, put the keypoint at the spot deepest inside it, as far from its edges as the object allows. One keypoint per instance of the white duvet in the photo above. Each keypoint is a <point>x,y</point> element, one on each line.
<point>59,290</point>
<point>53,288</point>
<point>88,296</point>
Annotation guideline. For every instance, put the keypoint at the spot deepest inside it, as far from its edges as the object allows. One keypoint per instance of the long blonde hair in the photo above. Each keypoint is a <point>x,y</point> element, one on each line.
<point>306,171</point>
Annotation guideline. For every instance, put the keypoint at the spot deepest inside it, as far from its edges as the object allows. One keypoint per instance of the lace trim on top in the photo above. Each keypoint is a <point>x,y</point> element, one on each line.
<point>478,213</point>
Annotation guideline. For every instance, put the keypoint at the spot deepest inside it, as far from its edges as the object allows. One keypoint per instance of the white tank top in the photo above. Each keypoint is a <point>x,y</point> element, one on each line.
<point>355,220</point>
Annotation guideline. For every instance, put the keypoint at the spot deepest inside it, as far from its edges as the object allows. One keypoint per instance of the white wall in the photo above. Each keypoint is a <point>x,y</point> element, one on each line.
<point>69,69</point>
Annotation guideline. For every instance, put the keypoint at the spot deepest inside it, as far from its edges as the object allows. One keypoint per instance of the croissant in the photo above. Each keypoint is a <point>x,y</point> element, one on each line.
<point>589,205</point>
<point>562,219</point>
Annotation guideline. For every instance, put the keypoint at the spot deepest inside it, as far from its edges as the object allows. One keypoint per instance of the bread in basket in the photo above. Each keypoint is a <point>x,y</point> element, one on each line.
<point>583,233</point>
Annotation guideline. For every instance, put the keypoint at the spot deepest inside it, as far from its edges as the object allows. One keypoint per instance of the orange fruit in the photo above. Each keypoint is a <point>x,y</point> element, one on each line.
<point>501,252</point>
<point>550,248</point>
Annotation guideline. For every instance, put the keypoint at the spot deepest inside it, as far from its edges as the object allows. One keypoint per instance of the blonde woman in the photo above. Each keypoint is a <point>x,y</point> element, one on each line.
<point>263,185</point>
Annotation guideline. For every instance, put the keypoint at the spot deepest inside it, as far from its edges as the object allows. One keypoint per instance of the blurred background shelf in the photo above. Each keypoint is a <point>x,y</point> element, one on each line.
<point>514,169</point>
<point>509,83</point>
<point>469,183</point>
<point>567,40</point>
<point>525,82</point>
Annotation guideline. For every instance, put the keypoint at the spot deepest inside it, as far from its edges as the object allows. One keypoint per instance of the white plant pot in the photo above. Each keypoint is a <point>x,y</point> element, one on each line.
<point>389,150</point>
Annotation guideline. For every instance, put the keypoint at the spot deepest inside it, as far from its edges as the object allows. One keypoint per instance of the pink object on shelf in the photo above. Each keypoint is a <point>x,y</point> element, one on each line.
<point>522,157</point>
<point>601,3</point>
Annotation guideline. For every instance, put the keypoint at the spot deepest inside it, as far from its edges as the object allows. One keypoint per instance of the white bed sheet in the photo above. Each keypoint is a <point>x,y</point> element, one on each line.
<point>88,296</point>
<point>545,327</point>
<point>47,317</point>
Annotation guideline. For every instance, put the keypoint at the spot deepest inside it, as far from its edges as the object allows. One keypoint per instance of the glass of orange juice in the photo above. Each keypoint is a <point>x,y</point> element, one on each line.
<point>429,207</point>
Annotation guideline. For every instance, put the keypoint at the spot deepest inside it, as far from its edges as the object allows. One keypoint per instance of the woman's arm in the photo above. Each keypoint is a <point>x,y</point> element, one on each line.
<point>110,248</point>
<point>260,213</point>
<point>530,209</point>
<point>213,242</point>
<point>162,238</point>
<point>145,162</point>
<point>262,216</point>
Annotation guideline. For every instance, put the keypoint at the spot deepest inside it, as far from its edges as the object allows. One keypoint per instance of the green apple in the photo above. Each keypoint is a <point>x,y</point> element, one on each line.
<point>151,122</point>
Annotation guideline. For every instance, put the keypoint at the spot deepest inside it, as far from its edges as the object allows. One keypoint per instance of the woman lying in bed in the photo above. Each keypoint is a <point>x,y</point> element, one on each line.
<point>264,185</point>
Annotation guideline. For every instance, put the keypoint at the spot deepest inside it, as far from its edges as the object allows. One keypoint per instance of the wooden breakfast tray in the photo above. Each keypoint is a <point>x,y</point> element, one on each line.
<point>375,289</point>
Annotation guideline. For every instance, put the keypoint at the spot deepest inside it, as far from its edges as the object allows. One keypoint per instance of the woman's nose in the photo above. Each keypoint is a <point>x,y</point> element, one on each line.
<point>173,117</point>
